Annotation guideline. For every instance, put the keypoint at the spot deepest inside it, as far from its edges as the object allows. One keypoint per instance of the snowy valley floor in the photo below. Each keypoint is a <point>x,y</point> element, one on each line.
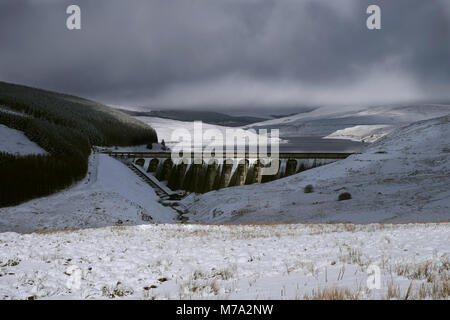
<point>285,261</point>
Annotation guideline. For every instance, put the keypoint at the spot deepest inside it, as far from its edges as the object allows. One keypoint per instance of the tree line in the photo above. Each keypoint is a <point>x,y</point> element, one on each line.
<point>67,127</point>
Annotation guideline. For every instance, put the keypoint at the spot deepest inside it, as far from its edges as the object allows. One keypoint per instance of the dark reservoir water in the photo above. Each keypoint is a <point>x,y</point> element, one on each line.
<point>305,145</point>
<point>317,144</point>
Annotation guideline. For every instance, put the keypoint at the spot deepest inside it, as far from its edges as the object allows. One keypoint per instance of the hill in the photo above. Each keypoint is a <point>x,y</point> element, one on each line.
<point>360,123</point>
<point>109,193</point>
<point>193,115</point>
<point>403,177</point>
<point>65,126</point>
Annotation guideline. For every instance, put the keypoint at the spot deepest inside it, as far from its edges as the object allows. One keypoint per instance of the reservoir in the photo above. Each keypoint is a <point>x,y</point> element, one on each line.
<point>318,144</point>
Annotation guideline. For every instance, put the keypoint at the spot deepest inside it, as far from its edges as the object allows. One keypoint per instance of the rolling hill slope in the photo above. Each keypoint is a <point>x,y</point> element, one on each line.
<point>326,121</point>
<point>194,115</point>
<point>66,127</point>
<point>403,177</point>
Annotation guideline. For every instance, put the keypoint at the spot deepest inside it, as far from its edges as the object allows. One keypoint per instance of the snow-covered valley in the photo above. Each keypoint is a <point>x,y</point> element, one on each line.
<point>403,177</point>
<point>243,151</point>
<point>110,194</point>
<point>248,242</point>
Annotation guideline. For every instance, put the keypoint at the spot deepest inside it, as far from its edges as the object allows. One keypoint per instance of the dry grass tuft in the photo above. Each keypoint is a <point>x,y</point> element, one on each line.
<point>393,291</point>
<point>332,293</point>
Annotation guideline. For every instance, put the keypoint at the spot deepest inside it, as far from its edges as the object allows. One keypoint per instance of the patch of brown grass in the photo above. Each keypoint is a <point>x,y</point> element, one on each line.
<point>51,231</point>
<point>332,293</point>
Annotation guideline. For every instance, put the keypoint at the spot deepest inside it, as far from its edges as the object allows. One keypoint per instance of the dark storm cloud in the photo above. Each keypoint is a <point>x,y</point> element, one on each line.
<point>229,52</point>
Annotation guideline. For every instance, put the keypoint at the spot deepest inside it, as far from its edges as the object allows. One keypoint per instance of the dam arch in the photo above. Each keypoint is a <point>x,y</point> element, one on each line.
<point>216,173</point>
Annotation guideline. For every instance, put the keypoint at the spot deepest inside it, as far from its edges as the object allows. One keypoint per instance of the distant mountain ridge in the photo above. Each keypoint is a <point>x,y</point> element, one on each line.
<point>324,121</point>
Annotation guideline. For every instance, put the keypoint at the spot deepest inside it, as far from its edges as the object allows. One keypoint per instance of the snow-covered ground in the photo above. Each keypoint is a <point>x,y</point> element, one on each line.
<point>364,133</point>
<point>166,127</point>
<point>230,262</point>
<point>326,120</point>
<point>5,109</point>
<point>15,142</point>
<point>109,193</point>
<point>404,176</point>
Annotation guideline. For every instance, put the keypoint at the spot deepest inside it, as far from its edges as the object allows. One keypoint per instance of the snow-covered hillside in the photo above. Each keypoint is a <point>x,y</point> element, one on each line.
<point>15,142</point>
<point>364,133</point>
<point>166,127</point>
<point>325,121</point>
<point>402,177</point>
<point>228,262</point>
<point>110,194</point>
<point>10,111</point>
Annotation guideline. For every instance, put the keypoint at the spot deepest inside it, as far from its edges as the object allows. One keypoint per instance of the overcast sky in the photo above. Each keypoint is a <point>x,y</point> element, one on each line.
<point>230,53</point>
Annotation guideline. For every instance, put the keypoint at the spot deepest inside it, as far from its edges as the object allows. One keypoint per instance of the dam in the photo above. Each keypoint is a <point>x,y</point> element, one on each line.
<point>213,174</point>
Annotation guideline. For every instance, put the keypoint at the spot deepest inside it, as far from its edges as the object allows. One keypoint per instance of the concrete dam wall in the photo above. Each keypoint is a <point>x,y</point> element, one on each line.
<point>212,175</point>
